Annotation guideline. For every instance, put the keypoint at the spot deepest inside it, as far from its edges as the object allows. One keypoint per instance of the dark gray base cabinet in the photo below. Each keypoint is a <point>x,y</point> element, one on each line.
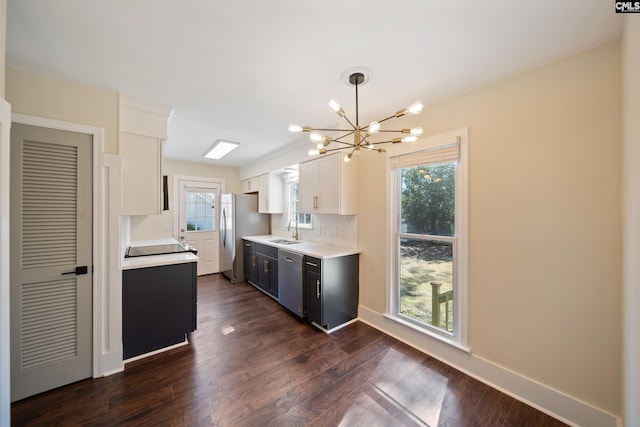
<point>159,307</point>
<point>330,286</point>
<point>331,290</point>
<point>261,266</point>
<point>250,263</point>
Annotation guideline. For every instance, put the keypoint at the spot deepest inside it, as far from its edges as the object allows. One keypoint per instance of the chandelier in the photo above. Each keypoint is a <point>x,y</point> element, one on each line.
<point>361,135</point>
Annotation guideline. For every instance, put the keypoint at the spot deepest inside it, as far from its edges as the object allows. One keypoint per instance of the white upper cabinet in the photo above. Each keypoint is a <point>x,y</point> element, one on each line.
<point>251,185</point>
<point>308,190</point>
<point>142,130</point>
<point>270,193</point>
<point>328,185</point>
<point>270,189</point>
<point>141,174</point>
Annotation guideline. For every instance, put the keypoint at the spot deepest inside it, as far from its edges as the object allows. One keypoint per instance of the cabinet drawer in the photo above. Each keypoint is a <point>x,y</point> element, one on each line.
<point>248,245</point>
<point>312,264</point>
<point>270,251</point>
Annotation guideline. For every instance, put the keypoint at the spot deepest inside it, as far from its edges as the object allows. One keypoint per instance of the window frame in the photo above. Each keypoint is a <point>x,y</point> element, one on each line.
<point>289,181</point>
<point>198,192</point>
<point>459,337</point>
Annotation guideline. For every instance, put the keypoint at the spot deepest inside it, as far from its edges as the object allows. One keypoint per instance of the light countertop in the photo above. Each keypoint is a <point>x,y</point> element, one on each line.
<point>317,250</point>
<point>156,260</point>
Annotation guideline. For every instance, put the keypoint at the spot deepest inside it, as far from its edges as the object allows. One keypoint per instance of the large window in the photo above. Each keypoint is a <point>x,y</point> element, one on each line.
<point>429,238</point>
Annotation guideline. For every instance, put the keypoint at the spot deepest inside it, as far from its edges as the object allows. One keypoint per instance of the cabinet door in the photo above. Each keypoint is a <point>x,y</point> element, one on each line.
<point>270,194</point>
<point>250,264</point>
<point>273,278</point>
<point>251,185</point>
<point>158,307</point>
<point>308,178</point>
<point>263,268</point>
<point>141,174</point>
<point>263,194</point>
<point>267,274</point>
<point>246,184</point>
<point>313,297</point>
<point>328,200</point>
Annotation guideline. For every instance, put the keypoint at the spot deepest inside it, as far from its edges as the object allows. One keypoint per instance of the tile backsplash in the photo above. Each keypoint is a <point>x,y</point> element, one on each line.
<point>338,230</point>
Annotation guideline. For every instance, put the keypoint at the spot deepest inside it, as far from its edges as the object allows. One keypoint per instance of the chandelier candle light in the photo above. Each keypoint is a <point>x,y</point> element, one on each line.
<point>360,134</point>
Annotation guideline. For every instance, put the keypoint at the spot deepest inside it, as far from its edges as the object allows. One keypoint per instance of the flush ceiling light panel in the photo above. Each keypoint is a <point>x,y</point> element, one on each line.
<point>220,149</point>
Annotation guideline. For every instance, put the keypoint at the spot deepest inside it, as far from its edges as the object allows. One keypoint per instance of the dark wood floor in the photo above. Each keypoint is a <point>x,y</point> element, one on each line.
<point>251,363</point>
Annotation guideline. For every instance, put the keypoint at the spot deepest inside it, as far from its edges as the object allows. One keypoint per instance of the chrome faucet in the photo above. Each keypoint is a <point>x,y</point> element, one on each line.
<point>295,235</point>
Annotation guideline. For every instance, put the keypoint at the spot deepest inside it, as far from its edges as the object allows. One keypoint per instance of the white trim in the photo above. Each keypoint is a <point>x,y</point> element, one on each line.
<point>631,222</point>
<point>140,117</point>
<point>111,313</point>
<point>154,352</point>
<point>287,181</point>
<point>107,280</point>
<point>461,244</point>
<point>5,253</point>
<point>288,155</point>
<point>545,399</point>
<point>442,139</point>
<point>427,332</point>
<point>335,328</point>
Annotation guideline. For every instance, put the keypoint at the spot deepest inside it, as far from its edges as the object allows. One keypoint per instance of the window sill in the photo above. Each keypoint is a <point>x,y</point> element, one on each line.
<point>428,333</point>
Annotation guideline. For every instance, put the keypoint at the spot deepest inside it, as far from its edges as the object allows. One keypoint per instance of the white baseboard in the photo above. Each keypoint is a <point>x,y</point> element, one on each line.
<point>162,350</point>
<point>111,363</point>
<point>552,402</point>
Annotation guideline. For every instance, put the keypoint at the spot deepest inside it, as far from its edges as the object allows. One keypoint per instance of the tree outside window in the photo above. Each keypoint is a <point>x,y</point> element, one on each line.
<point>426,267</point>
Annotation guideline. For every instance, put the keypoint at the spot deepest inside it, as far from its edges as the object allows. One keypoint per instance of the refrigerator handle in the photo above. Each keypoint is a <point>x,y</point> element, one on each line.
<point>223,224</point>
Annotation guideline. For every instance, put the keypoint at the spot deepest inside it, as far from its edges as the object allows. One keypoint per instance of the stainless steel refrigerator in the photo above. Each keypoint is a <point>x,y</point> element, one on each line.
<point>238,217</point>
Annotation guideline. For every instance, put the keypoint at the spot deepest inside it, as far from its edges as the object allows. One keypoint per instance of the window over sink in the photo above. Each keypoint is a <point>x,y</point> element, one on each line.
<point>292,187</point>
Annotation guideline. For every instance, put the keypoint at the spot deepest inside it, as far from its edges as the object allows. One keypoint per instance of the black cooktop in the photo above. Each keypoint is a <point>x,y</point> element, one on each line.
<point>172,248</point>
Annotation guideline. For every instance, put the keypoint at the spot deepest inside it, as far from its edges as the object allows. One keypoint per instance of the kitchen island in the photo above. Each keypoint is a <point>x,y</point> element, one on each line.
<point>159,300</point>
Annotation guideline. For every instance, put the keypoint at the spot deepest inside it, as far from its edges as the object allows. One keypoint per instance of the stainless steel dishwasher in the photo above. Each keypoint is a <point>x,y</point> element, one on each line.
<point>290,281</point>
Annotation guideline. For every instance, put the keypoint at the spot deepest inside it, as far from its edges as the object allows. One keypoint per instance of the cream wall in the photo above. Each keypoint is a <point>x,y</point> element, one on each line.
<point>178,167</point>
<point>49,98</point>
<point>161,226</point>
<point>545,230</point>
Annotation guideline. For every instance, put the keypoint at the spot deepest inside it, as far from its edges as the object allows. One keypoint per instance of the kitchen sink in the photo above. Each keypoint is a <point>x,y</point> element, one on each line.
<point>284,242</point>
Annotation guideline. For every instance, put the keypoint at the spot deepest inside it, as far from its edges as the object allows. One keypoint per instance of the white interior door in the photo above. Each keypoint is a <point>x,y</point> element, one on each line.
<point>198,223</point>
<point>51,260</point>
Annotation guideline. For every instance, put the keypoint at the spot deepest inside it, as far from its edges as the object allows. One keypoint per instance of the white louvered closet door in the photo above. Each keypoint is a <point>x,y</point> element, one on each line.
<point>51,261</point>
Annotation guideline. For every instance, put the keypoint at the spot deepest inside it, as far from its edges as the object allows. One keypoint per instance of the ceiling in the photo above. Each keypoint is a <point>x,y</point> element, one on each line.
<point>243,70</point>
